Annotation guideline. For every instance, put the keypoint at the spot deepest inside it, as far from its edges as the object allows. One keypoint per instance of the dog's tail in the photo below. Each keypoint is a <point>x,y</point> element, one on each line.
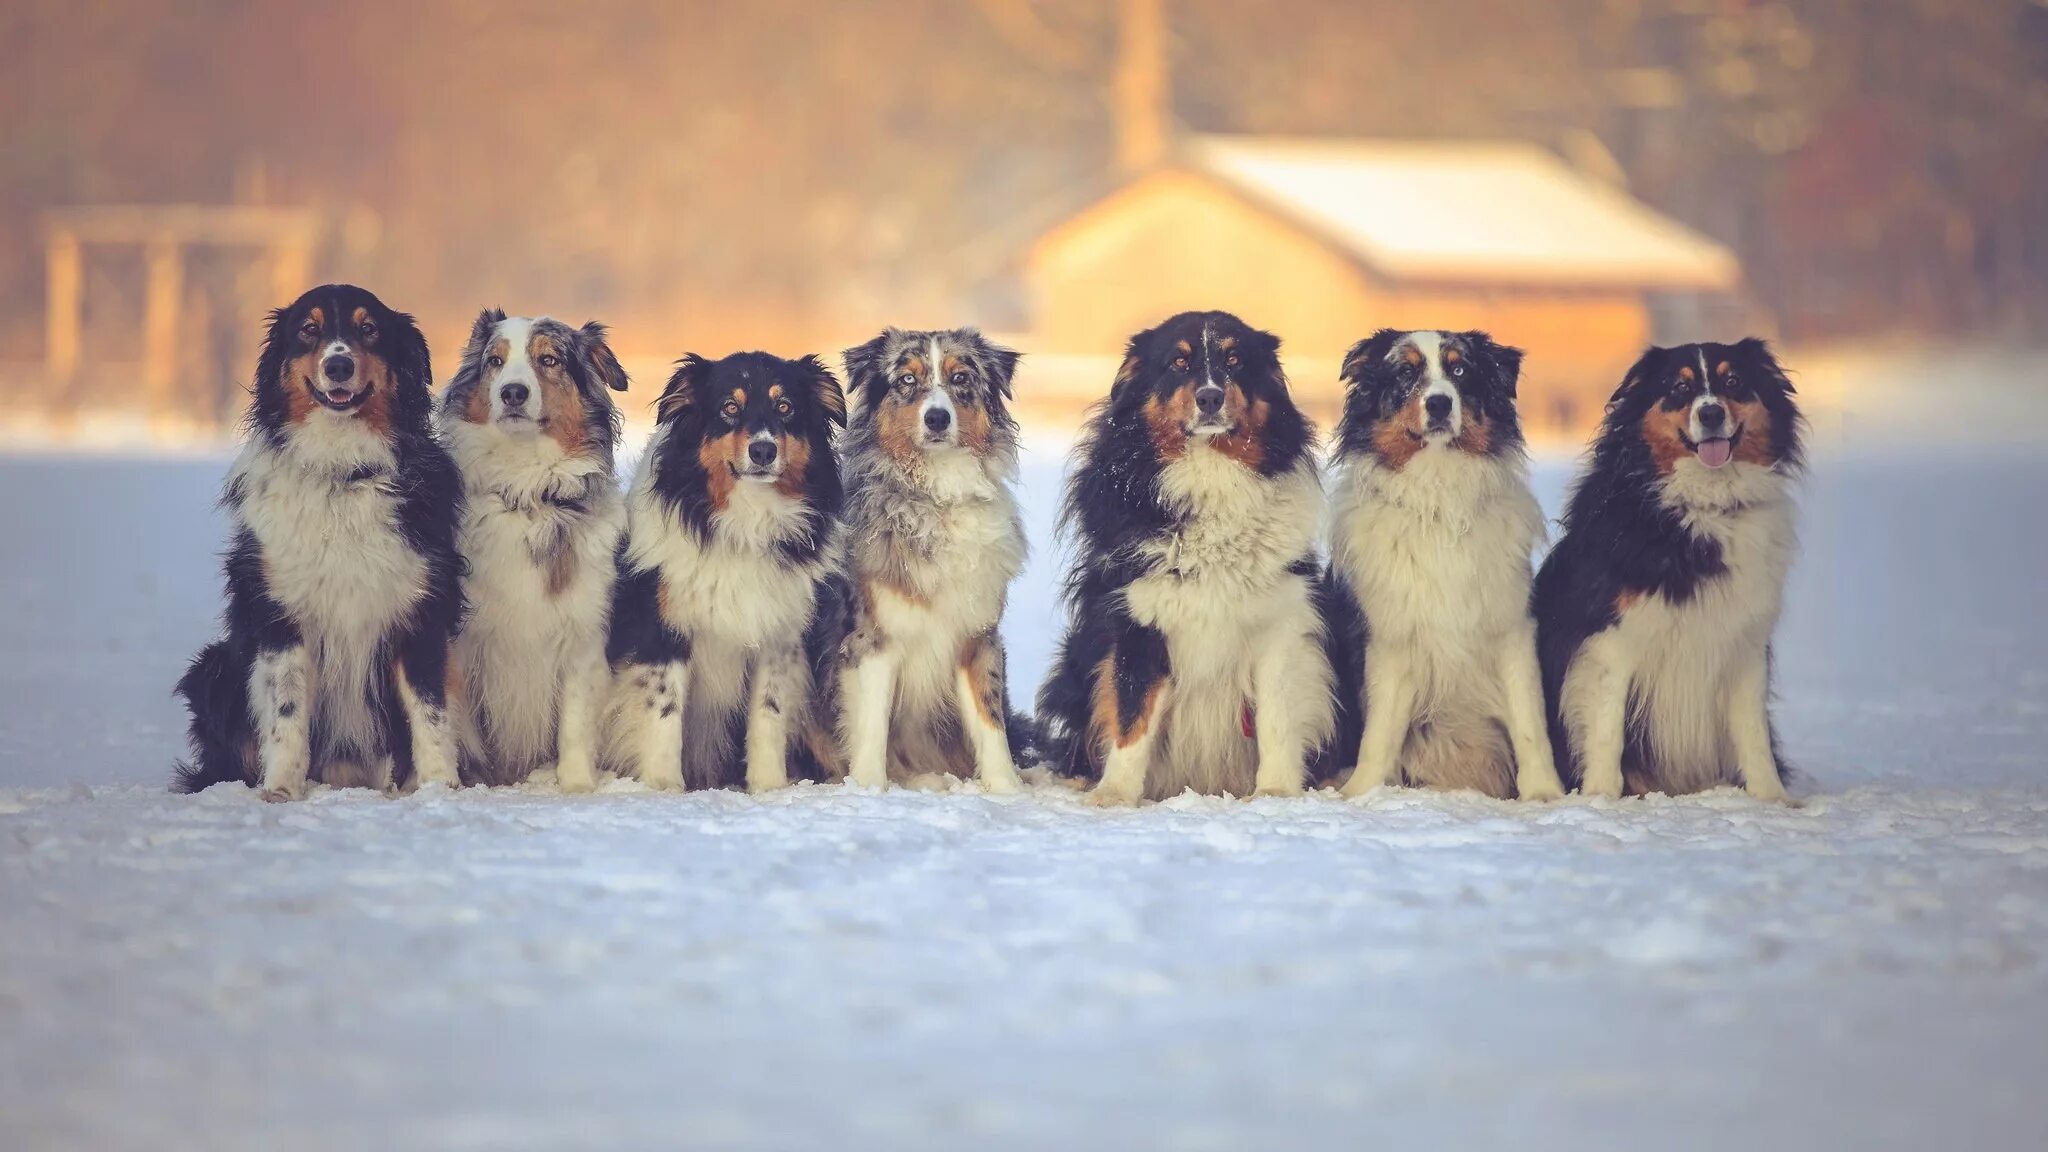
<point>216,693</point>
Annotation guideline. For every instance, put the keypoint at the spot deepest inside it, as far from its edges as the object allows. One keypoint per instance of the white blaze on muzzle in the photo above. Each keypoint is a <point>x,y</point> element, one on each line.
<point>518,375</point>
<point>1712,439</point>
<point>938,417</point>
<point>1437,389</point>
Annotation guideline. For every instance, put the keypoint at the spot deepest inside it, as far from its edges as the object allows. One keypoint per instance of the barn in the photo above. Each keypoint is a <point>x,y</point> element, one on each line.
<point>1323,241</point>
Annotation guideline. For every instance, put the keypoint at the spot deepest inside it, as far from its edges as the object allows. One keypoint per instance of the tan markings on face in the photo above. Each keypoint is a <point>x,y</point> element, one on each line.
<point>561,404</point>
<point>1413,356</point>
<point>1168,419</point>
<point>899,428</point>
<point>1755,421</point>
<point>376,409</point>
<point>1475,433</point>
<point>1246,442</point>
<point>975,428</point>
<point>720,458</point>
<point>1227,344</point>
<point>912,364</point>
<point>980,659</point>
<point>795,453</point>
<point>1107,722</point>
<point>478,410</point>
<point>1664,432</point>
<point>373,372</point>
<point>1686,375</point>
<point>1399,437</point>
<point>302,370</point>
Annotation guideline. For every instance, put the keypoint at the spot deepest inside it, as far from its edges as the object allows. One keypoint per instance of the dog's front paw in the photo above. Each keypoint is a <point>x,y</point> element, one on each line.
<point>1108,796</point>
<point>1772,792</point>
<point>1275,790</point>
<point>663,782</point>
<point>576,781</point>
<point>1601,786</point>
<point>283,795</point>
<point>1006,783</point>
<point>1362,782</point>
<point>1545,788</point>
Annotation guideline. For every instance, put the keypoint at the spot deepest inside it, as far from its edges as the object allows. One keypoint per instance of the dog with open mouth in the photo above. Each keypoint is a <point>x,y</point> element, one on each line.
<point>530,421</point>
<point>731,600</point>
<point>1655,610</point>
<point>1194,652</point>
<point>343,579</point>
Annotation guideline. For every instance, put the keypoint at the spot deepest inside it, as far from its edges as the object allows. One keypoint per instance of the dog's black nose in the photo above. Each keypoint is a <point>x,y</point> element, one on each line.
<point>514,395</point>
<point>937,419</point>
<point>338,367</point>
<point>1208,400</point>
<point>1438,407</point>
<point>1712,417</point>
<point>761,452</point>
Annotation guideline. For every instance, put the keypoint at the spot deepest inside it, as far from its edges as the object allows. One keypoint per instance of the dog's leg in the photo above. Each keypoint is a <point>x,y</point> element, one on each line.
<point>433,740</point>
<point>984,707</point>
<point>657,750</point>
<point>281,701</point>
<point>781,687</point>
<point>1290,704</point>
<point>1133,693</point>
<point>1595,708</point>
<point>576,733</point>
<point>869,683</point>
<point>1390,690</point>
<point>1749,728</point>
<point>1521,685</point>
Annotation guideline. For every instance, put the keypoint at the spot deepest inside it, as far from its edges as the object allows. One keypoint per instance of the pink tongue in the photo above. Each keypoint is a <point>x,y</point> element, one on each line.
<point>1714,453</point>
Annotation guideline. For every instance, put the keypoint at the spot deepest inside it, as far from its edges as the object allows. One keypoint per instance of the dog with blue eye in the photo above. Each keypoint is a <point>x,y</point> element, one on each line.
<point>730,601</point>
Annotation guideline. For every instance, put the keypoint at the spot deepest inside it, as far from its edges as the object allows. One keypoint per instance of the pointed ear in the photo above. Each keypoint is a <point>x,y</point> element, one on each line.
<point>825,387</point>
<point>1507,359</point>
<point>599,359</point>
<point>1637,374</point>
<point>1758,349</point>
<point>1366,353</point>
<point>486,320</point>
<point>864,363</point>
<point>680,394</point>
<point>1002,364</point>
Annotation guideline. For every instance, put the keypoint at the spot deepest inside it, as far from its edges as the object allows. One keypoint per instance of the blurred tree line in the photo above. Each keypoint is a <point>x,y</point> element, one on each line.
<point>1877,163</point>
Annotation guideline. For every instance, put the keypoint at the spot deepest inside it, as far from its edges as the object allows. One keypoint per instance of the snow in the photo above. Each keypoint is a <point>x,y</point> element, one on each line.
<point>909,970</point>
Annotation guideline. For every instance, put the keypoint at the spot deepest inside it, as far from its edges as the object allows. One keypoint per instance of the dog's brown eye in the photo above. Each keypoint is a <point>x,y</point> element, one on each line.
<point>368,329</point>
<point>1180,363</point>
<point>783,409</point>
<point>959,379</point>
<point>309,332</point>
<point>548,361</point>
<point>731,410</point>
<point>1230,361</point>
<point>495,361</point>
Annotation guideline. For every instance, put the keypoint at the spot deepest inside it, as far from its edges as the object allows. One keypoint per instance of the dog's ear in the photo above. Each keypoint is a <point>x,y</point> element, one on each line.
<point>1265,346</point>
<point>415,364</point>
<point>824,388</point>
<point>1366,353</point>
<point>1131,372</point>
<point>277,341</point>
<point>486,321</point>
<point>1642,371</point>
<point>1758,352</point>
<point>864,365</point>
<point>1505,359</point>
<point>599,360</point>
<point>680,395</point>
<point>1002,364</point>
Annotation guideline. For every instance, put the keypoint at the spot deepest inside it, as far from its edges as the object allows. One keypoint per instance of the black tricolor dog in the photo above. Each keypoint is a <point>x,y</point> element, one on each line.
<point>729,599</point>
<point>1194,651</point>
<point>343,580</point>
<point>1656,608</point>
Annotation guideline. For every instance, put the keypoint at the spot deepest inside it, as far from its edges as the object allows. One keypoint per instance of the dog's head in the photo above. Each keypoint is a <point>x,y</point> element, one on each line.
<point>753,418</point>
<point>337,353</point>
<point>535,377</point>
<point>1208,378</point>
<point>1709,406</point>
<point>1413,392</point>
<point>934,392</point>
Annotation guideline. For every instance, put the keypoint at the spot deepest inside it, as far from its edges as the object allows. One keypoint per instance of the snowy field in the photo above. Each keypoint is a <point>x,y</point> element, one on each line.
<point>514,970</point>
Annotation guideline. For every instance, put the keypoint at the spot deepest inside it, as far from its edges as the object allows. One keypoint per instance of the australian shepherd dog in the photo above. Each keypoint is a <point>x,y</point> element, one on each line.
<point>730,594</point>
<point>1194,655</point>
<point>934,538</point>
<point>343,580</point>
<point>530,421</point>
<point>1655,610</point>
<point>1432,525</point>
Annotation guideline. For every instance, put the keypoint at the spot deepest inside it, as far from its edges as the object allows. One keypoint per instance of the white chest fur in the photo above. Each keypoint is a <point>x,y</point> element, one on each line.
<point>335,557</point>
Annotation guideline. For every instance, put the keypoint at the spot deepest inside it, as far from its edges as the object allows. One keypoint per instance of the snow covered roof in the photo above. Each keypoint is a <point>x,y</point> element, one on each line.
<point>1490,212</point>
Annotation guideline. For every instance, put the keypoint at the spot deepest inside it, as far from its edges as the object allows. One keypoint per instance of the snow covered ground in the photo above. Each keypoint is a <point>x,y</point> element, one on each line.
<point>516,970</point>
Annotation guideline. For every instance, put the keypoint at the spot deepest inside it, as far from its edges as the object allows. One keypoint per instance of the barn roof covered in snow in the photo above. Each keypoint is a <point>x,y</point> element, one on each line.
<point>1497,213</point>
